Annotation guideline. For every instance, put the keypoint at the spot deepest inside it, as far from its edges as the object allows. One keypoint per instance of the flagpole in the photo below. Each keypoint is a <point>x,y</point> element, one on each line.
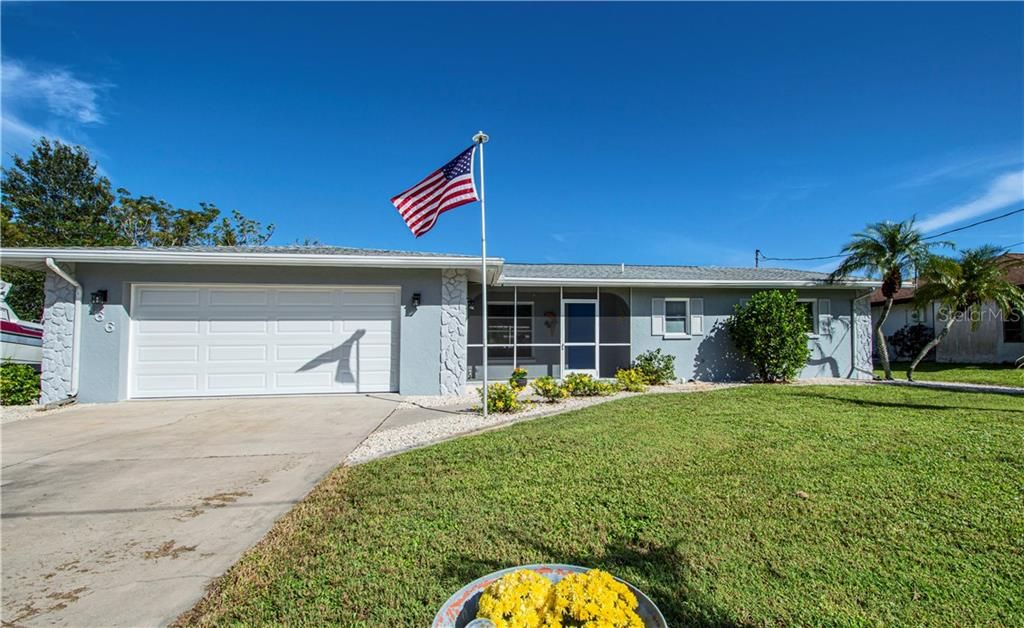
<point>480,139</point>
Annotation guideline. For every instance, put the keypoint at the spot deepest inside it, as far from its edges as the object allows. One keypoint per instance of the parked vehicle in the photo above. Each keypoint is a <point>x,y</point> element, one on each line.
<point>21,341</point>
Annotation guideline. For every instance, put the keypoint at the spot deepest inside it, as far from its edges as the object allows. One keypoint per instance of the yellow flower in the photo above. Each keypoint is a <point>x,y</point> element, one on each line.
<point>526,599</point>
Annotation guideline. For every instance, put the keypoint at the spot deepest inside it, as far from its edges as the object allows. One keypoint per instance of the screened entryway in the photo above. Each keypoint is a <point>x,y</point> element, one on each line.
<point>549,331</point>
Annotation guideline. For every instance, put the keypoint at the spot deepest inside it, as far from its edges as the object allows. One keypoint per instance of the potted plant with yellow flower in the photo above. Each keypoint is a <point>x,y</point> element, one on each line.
<point>518,379</point>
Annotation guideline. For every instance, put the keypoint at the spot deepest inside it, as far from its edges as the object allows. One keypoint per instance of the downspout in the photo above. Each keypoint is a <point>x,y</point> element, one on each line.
<point>77,333</point>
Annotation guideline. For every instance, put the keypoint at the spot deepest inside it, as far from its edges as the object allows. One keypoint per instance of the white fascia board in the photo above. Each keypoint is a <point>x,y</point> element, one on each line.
<point>38,255</point>
<point>690,283</point>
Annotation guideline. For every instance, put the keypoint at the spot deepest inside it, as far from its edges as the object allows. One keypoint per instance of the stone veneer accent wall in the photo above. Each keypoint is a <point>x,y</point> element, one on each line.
<point>58,332</point>
<point>454,330</point>
<point>863,368</point>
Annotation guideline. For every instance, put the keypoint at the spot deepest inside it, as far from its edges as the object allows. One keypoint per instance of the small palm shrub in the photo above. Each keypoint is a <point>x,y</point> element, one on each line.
<point>549,389</point>
<point>656,367</point>
<point>770,331</point>
<point>502,398</point>
<point>19,384</point>
<point>584,385</point>
<point>631,380</point>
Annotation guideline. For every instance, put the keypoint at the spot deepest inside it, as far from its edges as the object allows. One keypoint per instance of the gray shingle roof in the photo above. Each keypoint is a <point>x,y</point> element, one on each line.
<point>601,272</point>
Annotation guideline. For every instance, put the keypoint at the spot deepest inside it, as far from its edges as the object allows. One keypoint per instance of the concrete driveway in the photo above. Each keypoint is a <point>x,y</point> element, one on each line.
<point>121,514</point>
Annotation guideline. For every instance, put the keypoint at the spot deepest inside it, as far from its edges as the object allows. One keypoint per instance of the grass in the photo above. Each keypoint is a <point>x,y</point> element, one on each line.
<point>995,374</point>
<point>760,505</point>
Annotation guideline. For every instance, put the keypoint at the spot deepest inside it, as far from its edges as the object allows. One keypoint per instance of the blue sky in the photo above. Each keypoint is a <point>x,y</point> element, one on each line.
<point>657,133</point>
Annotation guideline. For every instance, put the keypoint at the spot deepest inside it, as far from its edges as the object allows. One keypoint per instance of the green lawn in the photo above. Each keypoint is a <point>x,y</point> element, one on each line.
<point>997,374</point>
<point>760,505</point>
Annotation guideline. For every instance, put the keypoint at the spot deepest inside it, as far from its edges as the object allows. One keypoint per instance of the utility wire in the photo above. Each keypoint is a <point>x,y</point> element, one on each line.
<point>759,257</point>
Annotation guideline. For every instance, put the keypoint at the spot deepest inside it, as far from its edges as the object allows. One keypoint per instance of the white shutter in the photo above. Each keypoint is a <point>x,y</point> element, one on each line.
<point>658,317</point>
<point>825,317</point>
<point>696,316</point>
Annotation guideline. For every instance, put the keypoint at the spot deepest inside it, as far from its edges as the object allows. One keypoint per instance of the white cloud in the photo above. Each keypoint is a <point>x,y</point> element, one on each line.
<point>1004,190</point>
<point>64,95</point>
<point>52,103</point>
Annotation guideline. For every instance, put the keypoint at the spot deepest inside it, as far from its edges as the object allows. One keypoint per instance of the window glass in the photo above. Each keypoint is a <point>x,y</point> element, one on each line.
<point>500,326</point>
<point>614,317</point>
<point>1013,326</point>
<point>808,315</point>
<point>675,317</point>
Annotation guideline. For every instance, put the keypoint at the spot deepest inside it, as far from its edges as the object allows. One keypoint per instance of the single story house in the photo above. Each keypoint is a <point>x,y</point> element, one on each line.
<point>997,339</point>
<point>131,323</point>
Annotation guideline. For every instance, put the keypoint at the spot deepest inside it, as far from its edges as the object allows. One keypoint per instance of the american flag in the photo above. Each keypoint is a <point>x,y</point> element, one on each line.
<point>446,188</point>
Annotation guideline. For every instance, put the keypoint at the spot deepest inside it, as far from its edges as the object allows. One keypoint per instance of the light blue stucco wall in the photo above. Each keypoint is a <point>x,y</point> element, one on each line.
<point>104,355</point>
<point>712,356</point>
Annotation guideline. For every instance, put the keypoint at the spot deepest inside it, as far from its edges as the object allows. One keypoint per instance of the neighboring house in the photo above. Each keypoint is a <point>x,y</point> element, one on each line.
<point>997,339</point>
<point>207,321</point>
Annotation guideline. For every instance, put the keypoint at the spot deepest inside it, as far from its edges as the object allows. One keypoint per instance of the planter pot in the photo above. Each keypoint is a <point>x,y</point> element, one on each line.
<point>520,382</point>
<point>462,607</point>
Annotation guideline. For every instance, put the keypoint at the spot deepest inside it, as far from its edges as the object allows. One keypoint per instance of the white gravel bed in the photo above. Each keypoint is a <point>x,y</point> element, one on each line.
<point>467,420</point>
<point>10,414</point>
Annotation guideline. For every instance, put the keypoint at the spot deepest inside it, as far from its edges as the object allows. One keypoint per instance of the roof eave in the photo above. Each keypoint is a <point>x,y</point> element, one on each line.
<point>690,283</point>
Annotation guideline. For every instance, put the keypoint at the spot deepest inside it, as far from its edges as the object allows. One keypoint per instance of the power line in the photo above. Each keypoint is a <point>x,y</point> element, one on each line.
<point>980,222</point>
<point>758,257</point>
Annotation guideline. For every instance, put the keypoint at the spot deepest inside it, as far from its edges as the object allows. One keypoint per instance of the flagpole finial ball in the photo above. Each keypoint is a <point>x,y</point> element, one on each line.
<point>481,137</point>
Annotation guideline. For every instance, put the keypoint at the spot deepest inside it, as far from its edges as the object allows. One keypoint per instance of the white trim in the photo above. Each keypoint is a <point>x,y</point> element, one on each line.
<point>686,320</point>
<point>248,259</point>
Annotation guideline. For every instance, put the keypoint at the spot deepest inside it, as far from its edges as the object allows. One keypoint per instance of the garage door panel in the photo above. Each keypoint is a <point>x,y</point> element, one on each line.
<point>162,296</point>
<point>236,353</point>
<point>162,354</point>
<point>304,326</point>
<point>226,383</point>
<point>169,384</point>
<point>225,340</point>
<point>238,327</point>
<point>306,298</point>
<point>232,297</point>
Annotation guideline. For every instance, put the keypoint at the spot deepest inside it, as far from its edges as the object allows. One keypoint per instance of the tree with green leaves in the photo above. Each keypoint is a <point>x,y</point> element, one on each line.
<point>770,330</point>
<point>891,251</point>
<point>56,197</point>
<point>962,286</point>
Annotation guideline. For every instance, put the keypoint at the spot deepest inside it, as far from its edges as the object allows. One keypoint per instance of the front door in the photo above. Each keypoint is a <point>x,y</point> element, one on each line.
<point>579,336</point>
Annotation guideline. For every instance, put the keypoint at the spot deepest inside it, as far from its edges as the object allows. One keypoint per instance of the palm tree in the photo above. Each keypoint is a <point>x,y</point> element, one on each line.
<point>962,286</point>
<point>888,250</point>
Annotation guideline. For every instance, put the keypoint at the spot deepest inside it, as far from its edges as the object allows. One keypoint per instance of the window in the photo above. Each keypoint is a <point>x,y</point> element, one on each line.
<point>810,313</point>
<point>1013,326</point>
<point>500,325</point>
<point>675,317</point>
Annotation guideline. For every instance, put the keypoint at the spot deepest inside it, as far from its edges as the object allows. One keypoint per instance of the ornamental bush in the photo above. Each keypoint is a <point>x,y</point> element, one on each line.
<point>656,367</point>
<point>631,380</point>
<point>19,384</point>
<point>549,389</point>
<point>501,398</point>
<point>908,341</point>
<point>770,331</point>
<point>584,385</point>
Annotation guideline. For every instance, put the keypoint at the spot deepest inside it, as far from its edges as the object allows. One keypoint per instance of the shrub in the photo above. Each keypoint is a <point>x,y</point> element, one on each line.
<point>908,341</point>
<point>19,384</point>
<point>549,389</point>
<point>657,368</point>
<point>631,380</point>
<point>770,331</point>
<point>501,398</point>
<point>584,385</point>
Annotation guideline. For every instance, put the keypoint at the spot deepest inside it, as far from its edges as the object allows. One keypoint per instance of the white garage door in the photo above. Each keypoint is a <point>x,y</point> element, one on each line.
<point>190,340</point>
